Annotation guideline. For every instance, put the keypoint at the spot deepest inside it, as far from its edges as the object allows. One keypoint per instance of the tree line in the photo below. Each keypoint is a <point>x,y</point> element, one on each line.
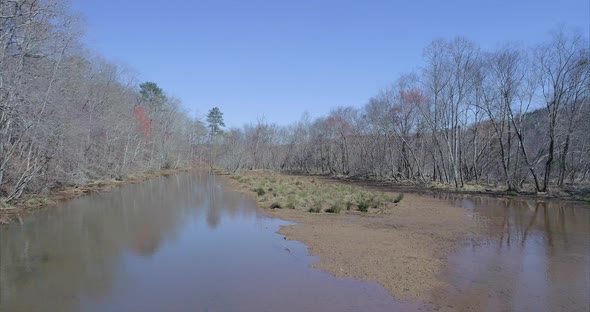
<point>67,116</point>
<point>514,117</point>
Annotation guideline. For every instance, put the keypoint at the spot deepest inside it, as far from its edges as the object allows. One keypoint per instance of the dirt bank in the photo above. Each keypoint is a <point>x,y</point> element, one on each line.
<point>402,246</point>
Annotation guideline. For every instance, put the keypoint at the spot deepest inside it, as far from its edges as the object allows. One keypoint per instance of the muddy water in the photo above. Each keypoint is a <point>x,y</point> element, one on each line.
<point>178,243</point>
<point>533,256</point>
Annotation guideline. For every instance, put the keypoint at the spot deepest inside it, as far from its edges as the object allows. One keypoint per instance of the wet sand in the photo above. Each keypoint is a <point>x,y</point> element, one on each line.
<point>403,249</point>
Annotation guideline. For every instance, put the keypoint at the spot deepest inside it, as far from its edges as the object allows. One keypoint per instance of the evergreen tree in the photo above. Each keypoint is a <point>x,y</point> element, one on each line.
<point>215,120</point>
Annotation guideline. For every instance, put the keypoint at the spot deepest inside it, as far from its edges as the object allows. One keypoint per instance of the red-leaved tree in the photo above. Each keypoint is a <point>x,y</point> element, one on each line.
<point>144,122</point>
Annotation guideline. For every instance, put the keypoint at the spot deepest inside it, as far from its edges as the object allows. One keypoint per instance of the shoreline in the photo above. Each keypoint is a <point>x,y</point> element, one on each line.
<point>437,188</point>
<point>32,202</point>
<point>476,190</point>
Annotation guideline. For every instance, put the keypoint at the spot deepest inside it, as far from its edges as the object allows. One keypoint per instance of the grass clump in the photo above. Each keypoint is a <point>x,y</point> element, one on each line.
<point>313,194</point>
<point>374,202</point>
<point>335,208</point>
<point>38,201</point>
<point>292,202</point>
<point>363,205</point>
<point>260,191</point>
<point>349,205</point>
<point>242,179</point>
<point>316,207</point>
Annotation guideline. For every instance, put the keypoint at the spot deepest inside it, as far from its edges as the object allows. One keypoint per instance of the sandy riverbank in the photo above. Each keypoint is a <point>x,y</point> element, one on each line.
<point>402,246</point>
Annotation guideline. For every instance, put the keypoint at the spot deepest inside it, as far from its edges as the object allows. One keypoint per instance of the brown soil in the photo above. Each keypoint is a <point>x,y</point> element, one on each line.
<point>401,246</point>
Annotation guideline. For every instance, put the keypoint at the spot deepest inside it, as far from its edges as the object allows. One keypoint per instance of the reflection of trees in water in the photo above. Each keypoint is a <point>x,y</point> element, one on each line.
<point>214,203</point>
<point>64,252</point>
<point>539,258</point>
<point>221,202</point>
<point>516,219</point>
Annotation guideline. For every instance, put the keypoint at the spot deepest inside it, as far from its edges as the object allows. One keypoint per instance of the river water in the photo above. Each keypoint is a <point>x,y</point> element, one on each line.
<point>535,256</point>
<point>177,243</point>
<point>187,243</point>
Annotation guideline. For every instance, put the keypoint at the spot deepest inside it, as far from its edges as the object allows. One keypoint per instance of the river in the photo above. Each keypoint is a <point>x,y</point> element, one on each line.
<point>187,243</point>
<point>177,243</point>
<point>535,256</point>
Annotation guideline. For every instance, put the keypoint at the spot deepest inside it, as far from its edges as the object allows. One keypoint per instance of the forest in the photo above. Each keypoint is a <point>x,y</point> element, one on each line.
<point>516,117</point>
<point>69,117</point>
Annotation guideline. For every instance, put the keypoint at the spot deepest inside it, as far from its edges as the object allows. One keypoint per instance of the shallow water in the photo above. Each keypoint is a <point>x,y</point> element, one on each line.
<point>535,256</point>
<point>177,243</point>
<point>187,243</point>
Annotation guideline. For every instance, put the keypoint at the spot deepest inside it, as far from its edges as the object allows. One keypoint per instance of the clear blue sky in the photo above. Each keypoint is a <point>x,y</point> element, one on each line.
<point>279,58</point>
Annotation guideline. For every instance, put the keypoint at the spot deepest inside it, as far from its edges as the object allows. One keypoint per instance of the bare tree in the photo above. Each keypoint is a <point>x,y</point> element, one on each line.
<point>563,67</point>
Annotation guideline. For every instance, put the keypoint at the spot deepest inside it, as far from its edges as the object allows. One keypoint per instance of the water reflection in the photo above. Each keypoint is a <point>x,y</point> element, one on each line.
<point>535,257</point>
<point>177,243</point>
<point>78,243</point>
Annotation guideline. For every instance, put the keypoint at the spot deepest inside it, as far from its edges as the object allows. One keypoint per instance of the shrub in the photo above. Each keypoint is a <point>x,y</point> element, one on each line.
<point>398,198</point>
<point>260,191</point>
<point>335,208</point>
<point>290,205</point>
<point>349,205</point>
<point>363,205</point>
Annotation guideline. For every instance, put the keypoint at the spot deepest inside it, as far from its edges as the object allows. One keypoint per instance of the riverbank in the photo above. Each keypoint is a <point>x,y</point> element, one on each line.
<point>14,212</point>
<point>572,193</point>
<point>399,240</point>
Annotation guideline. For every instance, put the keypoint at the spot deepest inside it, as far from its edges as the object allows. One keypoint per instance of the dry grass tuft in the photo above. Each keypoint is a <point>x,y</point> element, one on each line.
<point>312,194</point>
